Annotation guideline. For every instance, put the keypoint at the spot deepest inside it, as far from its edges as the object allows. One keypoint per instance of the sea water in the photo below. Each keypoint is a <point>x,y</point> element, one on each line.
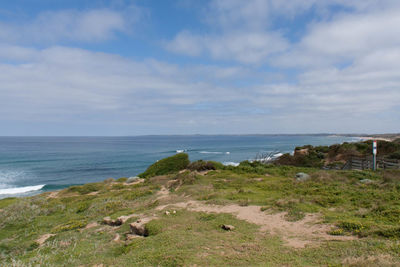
<point>31,165</point>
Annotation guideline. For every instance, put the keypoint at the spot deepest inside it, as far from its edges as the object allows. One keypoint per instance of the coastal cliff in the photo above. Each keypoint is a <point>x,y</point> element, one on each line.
<point>181,213</point>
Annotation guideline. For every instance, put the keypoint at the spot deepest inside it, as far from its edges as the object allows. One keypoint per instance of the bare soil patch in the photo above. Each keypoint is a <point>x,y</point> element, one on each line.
<point>297,234</point>
<point>43,238</point>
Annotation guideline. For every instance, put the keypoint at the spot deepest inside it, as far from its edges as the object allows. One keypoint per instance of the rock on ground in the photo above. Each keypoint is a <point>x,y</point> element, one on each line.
<point>301,176</point>
<point>139,228</point>
<point>132,179</point>
<point>227,227</point>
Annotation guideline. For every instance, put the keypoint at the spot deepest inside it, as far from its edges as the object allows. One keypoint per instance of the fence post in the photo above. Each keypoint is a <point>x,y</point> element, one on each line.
<point>374,152</point>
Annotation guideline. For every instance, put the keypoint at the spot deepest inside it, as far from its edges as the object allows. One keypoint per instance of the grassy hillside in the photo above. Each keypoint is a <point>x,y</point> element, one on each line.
<point>334,218</point>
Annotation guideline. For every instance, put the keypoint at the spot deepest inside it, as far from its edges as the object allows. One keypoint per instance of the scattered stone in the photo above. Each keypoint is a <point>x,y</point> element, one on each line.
<point>107,220</point>
<point>132,179</point>
<point>174,212</point>
<point>116,222</point>
<point>167,212</point>
<point>227,227</point>
<point>139,229</point>
<point>116,238</point>
<point>301,176</point>
<point>123,219</point>
<point>366,181</point>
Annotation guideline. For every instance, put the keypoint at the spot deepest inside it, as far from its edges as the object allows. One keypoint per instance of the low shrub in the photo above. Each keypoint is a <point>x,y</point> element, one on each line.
<point>167,166</point>
<point>83,206</point>
<point>154,227</point>
<point>390,232</point>
<point>117,186</point>
<point>71,225</point>
<point>122,180</point>
<point>85,189</point>
<point>395,155</point>
<point>351,227</point>
<point>201,165</point>
<point>337,231</point>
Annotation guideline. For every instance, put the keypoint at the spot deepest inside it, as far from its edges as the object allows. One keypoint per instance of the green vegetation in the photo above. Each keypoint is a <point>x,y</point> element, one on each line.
<point>166,166</point>
<point>363,216</point>
<point>335,156</point>
<point>201,165</point>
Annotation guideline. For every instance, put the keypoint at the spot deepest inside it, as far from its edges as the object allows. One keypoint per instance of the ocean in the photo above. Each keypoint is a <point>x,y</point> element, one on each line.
<point>31,165</point>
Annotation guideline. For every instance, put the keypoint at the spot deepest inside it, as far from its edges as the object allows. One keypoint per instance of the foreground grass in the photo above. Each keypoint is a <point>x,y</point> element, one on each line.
<point>370,211</point>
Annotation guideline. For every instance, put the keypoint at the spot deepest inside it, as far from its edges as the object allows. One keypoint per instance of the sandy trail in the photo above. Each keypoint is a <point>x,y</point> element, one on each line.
<point>43,238</point>
<point>295,234</point>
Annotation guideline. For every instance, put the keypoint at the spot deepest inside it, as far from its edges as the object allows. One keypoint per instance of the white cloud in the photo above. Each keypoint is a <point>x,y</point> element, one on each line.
<point>65,84</point>
<point>346,72</point>
<point>244,47</point>
<point>66,25</point>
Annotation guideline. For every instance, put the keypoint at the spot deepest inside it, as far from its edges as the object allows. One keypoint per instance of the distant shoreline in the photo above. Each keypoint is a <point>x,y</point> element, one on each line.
<point>391,136</point>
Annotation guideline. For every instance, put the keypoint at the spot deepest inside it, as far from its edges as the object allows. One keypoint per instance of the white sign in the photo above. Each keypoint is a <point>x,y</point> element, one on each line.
<point>374,148</point>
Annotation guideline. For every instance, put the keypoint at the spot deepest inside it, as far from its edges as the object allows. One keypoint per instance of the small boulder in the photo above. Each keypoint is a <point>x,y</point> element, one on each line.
<point>116,222</point>
<point>366,181</point>
<point>167,212</point>
<point>132,179</point>
<point>174,212</point>
<point>139,229</point>
<point>227,227</point>
<point>116,238</point>
<point>107,220</point>
<point>301,176</point>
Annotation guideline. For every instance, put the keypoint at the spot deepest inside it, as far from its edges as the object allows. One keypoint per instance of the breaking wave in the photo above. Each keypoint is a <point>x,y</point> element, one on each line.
<point>20,190</point>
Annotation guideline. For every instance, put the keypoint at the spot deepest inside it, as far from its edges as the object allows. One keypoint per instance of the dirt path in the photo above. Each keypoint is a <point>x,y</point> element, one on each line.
<point>163,193</point>
<point>296,234</point>
<point>43,238</point>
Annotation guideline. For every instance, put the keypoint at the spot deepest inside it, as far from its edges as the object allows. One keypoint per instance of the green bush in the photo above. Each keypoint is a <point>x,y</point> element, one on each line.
<point>166,166</point>
<point>390,232</point>
<point>85,189</point>
<point>201,165</point>
<point>117,186</point>
<point>154,227</point>
<point>83,206</point>
<point>122,180</point>
<point>351,227</point>
<point>395,155</point>
<point>71,225</point>
<point>336,232</point>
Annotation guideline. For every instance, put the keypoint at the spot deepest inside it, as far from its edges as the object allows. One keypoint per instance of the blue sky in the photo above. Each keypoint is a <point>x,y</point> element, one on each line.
<point>210,67</point>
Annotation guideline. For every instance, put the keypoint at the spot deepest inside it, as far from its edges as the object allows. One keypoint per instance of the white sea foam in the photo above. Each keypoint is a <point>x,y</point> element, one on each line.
<point>180,150</point>
<point>19,190</point>
<point>213,152</point>
<point>230,163</point>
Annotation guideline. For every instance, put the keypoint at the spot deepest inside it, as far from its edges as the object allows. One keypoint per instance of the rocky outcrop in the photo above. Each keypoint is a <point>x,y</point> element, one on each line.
<point>139,228</point>
<point>117,222</point>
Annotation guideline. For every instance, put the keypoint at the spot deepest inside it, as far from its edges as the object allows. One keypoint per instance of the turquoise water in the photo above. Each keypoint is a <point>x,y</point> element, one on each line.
<point>31,165</point>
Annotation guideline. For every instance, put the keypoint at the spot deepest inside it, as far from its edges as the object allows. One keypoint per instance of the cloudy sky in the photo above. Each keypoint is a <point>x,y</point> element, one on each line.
<point>80,67</point>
